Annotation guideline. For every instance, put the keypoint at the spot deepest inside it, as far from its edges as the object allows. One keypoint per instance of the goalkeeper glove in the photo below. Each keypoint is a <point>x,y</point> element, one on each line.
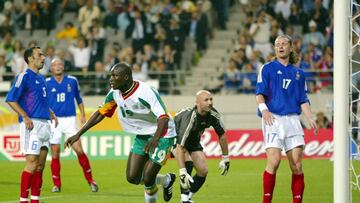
<point>224,165</point>
<point>185,179</point>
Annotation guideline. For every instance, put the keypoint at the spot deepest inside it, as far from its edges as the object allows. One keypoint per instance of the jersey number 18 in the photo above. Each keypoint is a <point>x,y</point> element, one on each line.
<point>60,97</point>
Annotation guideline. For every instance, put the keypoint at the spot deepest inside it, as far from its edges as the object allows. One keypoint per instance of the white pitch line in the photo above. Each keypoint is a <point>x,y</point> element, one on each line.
<point>41,198</point>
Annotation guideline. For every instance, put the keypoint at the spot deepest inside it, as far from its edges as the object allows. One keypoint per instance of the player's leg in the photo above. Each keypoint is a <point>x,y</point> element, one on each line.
<point>55,140</point>
<point>28,143</point>
<point>85,164</point>
<point>273,146</point>
<point>55,167</point>
<point>38,176</point>
<point>269,177</point>
<point>150,173</point>
<point>27,176</point>
<point>201,168</point>
<point>42,131</point>
<point>294,150</point>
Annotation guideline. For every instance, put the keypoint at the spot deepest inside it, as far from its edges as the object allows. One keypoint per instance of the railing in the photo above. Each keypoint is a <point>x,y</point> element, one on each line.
<point>168,82</point>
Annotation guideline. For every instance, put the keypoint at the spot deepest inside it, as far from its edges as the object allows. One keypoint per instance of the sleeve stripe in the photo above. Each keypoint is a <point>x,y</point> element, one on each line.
<point>19,79</point>
<point>188,128</point>
<point>259,79</point>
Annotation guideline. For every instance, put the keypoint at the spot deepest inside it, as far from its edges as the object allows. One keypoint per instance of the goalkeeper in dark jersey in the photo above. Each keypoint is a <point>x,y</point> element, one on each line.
<point>190,124</point>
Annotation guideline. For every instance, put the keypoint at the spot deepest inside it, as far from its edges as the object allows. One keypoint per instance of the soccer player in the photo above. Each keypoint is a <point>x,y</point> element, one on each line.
<point>140,111</point>
<point>190,125</point>
<point>27,97</point>
<point>62,91</point>
<point>281,96</point>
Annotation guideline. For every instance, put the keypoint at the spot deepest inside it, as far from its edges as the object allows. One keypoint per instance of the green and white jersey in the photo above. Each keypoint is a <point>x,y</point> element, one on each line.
<point>139,110</point>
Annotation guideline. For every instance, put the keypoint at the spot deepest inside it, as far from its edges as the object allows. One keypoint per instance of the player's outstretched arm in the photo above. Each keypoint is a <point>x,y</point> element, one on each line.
<point>95,118</point>
<point>306,109</point>
<point>20,111</point>
<point>224,164</point>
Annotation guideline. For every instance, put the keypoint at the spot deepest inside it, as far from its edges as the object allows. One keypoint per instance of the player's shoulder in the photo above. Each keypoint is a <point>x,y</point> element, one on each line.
<point>71,77</point>
<point>214,113</point>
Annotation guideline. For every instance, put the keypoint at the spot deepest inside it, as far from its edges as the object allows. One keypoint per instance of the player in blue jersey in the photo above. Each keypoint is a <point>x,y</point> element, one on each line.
<point>27,97</point>
<point>62,91</point>
<point>282,95</point>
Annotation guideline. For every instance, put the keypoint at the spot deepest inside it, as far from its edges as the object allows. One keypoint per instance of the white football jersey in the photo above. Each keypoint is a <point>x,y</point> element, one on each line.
<point>139,110</point>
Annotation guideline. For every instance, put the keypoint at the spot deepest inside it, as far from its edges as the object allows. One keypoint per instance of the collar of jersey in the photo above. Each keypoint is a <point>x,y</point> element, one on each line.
<point>132,91</point>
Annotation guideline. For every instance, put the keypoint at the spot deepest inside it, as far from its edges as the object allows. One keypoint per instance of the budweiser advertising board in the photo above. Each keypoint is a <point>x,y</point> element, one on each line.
<point>117,144</point>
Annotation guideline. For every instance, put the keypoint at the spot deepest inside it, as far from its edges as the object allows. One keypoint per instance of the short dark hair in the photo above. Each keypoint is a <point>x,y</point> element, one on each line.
<point>124,67</point>
<point>29,52</point>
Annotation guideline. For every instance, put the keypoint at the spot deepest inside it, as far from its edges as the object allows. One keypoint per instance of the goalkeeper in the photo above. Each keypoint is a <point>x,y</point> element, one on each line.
<point>190,124</point>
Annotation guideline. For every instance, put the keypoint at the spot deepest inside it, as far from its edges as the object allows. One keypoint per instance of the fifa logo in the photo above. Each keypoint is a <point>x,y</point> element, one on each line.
<point>11,147</point>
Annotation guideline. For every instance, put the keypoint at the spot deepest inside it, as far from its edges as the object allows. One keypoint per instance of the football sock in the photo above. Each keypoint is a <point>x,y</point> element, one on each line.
<point>26,179</point>
<point>150,198</point>
<point>55,171</point>
<point>84,162</point>
<point>150,193</point>
<point>268,185</point>
<point>189,165</point>
<point>198,182</point>
<point>36,187</point>
<point>297,187</point>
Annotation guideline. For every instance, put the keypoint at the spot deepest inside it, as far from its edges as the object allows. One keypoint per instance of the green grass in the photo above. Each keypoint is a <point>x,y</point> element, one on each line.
<point>243,184</point>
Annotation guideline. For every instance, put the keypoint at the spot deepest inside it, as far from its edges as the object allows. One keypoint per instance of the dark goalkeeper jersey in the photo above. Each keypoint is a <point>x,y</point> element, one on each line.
<point>190,126</point>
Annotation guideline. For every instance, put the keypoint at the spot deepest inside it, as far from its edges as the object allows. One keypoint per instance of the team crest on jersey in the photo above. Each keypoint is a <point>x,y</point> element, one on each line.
<point>297,77</point>
<point>68,88</point>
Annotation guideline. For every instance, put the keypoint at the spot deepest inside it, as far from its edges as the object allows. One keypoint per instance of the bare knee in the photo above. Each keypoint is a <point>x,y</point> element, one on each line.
<point>133,179</point>
<point>296,167</point>
<point>202,171</point>
<point>78,148</point>
<point>273,164</point>
<point>31,165</point>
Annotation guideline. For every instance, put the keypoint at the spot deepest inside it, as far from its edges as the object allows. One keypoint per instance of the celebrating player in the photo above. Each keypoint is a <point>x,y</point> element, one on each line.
<point>190,125</point>
<point>142,112</point>
<point>62,90</point>
<point>27,97</point>
<point>281,96</point>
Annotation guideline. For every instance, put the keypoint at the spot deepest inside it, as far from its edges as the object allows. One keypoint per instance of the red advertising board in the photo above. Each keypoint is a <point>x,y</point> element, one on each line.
<point>249,144</point>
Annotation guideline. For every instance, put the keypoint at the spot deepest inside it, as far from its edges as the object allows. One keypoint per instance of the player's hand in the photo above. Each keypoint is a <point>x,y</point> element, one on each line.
<point>28,123</point>
<point>224,165</point>
<point>54,118</point>
<point>185,179</point>
<point>151,145</point>
<point>83,119</point>
<point>268,117</point>
<point>313,125</point>
<point>70,141</point>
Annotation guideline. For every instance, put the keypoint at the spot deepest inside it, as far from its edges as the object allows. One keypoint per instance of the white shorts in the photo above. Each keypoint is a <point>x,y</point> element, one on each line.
<point>32,140</point>
<point>285,133</point>
<point>67,126</point>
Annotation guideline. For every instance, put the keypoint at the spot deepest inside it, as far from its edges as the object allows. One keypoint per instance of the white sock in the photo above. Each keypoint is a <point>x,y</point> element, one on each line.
<point>191,195</point>
<point>163,180</point>
<point>184,198</point>
<point>150,198</point>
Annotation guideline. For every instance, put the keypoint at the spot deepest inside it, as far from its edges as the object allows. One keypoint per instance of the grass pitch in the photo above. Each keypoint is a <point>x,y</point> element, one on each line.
<point>243,184</point>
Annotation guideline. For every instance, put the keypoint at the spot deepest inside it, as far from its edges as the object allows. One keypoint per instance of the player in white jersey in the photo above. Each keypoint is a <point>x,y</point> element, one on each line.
<point>140,111</point>
<point>281,95</point>
<point>62,92</point>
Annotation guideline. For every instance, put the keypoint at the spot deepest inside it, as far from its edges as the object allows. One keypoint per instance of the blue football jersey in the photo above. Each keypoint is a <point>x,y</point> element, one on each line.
<point>29,91</point>
<point>284,88</point>
<point>62,95</point>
